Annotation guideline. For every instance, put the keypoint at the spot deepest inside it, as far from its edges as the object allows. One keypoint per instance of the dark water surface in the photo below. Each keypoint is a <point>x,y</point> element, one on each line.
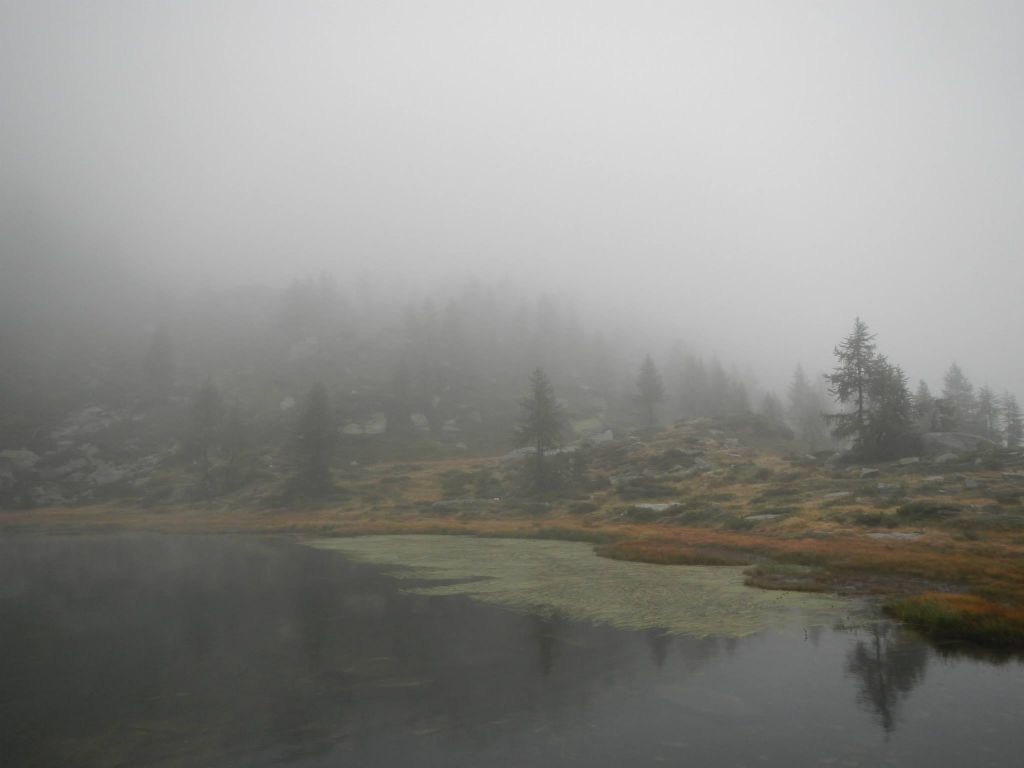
<point>218,651</point>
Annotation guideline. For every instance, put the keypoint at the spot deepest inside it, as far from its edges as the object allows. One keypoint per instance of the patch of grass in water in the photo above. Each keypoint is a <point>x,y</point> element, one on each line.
<point>566,578</point>
<point>961,618</point>
<point>647,551</point>
<point>787,576</point>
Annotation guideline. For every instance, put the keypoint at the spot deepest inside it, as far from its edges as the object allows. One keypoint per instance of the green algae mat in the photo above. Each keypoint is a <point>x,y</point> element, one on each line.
<point>567,578</point>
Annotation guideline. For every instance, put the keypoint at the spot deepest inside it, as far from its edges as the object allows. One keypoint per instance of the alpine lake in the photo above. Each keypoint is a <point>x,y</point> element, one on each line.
<point>166,650</point>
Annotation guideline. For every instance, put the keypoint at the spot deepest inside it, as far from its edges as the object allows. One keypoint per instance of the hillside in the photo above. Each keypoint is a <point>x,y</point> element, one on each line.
<point>932,528</point>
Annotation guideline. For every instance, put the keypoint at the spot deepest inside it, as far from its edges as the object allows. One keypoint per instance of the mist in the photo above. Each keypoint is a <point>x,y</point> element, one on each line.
<point>746,177</point>
<point>566,383</point>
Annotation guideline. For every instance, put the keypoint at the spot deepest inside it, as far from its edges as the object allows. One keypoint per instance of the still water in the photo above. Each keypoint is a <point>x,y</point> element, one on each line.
<point>219,651</point>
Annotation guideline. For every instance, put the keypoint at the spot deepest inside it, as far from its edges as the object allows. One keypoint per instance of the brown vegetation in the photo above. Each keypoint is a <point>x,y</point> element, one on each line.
<point>687,495</point>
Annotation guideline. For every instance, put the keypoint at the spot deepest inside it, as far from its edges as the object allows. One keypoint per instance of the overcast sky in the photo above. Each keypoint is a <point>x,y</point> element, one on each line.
<point>754,174</point>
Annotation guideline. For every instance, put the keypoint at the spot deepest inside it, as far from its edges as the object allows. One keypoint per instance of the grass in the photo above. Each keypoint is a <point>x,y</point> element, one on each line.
<point>793,578</point>
<point>647,551</point>
<point>555,577</point>
<point>960,618</point>
<point>971,541</point>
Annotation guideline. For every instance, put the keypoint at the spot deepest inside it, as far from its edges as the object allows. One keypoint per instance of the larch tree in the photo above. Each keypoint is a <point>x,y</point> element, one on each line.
<point>771,410</point>
<point>960,403</point>
<point>541,425</point>
<point>315,441</point>
<point>1013,422</point>
<point>234,440</point>
<point>160,363</point>
<point>987,413</point>
<point>206,417</point>
<point>925,408</point>
<point>650,388</point>
<point>806,410</point>
<point>890,418</point>
<point>850,383</point>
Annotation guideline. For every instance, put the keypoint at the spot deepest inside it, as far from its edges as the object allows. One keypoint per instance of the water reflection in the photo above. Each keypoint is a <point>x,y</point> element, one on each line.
<point>659,642</point>
<point>888,664</point>
<point>216,651</point>
<point>545,634</point>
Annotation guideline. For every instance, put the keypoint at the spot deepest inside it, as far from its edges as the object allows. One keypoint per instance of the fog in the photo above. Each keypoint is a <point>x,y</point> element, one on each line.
<point>747,177</point>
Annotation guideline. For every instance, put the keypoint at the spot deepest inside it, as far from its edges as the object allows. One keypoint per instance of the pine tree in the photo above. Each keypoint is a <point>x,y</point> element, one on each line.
<point>235,436</point>
<point>314,441</point>
<point>737,400</point>
<point>958,393</point>
<point>890,418</point>
<point>207,413</point>
<point>235,444</point>
<point>849,383</point>
<point>1013,422</point>
<point>694,398</point>
<point>541,425</point>
<point>987,413</point>
<point>925,408</point>
<point>771,409</point>
<point>719,390</point>
<point>650,388</point>
<point>806,410</point>
<point>160,363</point>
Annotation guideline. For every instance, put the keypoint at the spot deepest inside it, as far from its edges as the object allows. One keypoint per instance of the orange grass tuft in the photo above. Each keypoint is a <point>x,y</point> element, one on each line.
<point>962,618</point>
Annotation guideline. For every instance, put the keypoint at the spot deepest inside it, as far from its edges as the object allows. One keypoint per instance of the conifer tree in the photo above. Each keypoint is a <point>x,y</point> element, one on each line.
<point>1013,422</point>
<point>694,397</point>
<point>314,441</point>
<point>160,363</point>
<point>207,414</point>
<point>925,408</point>
<point>806,410</point>
<point>960,403</point>
<point>541,424</point>
<point>235,445</point>
<point>891,416</point>
<point>850,383</point>
<point>650,388</point>
<point>235,437</point>
<point>987,413</point>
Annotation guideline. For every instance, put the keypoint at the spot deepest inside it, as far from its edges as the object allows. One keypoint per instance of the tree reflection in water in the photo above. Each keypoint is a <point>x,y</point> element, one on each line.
<point>888,664</point>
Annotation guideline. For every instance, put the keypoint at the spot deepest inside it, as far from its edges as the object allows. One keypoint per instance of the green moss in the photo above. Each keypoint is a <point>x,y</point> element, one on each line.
<point>557,577</point>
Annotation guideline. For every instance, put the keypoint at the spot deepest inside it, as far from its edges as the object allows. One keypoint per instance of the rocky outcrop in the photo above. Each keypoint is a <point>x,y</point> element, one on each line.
<point>94,453</point>
<point>954,442</point>
<point>371,424</point>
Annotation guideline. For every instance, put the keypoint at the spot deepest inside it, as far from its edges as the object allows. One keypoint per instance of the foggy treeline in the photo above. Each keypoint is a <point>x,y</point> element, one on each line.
<point>448,366</point>
<point>97,359</point>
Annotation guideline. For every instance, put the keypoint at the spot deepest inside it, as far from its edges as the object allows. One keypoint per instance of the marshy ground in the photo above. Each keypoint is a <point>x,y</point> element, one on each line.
<point>941,542</point>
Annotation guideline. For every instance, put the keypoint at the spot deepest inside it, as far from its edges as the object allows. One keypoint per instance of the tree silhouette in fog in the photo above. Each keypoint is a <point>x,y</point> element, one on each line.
<point>540,427</point>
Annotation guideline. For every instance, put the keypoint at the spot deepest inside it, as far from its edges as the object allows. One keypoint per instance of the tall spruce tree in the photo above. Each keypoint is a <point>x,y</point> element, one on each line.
<point>206,417</point>
<point>314,442</point>
<point>925,408</point>
<point>960,404</point>
<point>650,388</point>
<point>850,384</point>
<point>694,388</point>
<point>806,409</point>
<point>1013,422</point>
<point>541,425</point>
<point>987,413</point>
<point>234,440</point>
<point>890,418</point>
<point>160,364</point>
